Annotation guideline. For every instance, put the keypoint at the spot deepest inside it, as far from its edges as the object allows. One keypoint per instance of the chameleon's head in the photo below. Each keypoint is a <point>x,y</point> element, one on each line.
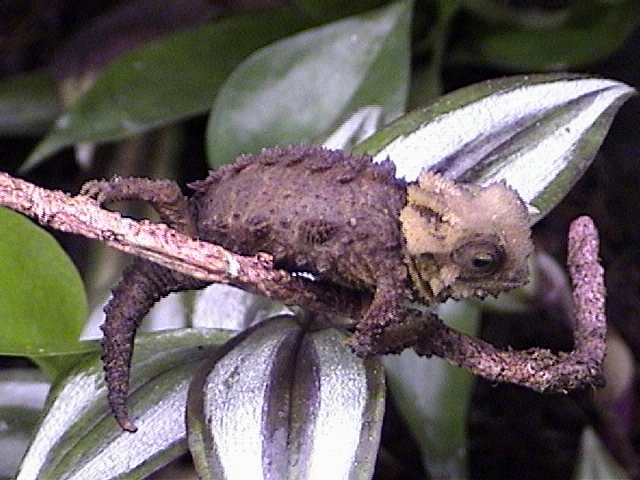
<point>464,240</point>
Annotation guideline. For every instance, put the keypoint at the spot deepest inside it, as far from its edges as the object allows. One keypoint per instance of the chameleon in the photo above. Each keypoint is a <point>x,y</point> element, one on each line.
<point>342,218</point>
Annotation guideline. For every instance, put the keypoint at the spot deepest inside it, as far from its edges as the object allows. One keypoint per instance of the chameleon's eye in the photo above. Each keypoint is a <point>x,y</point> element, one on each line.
<point>478,258</point>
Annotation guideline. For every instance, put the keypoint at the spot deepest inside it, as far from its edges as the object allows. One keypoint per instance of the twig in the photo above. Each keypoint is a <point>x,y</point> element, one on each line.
<point>535,368</point>
<point>540,369</point>
<point>82,215</point>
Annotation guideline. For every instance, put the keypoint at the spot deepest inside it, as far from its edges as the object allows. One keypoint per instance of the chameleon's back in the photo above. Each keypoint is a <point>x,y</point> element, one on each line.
<point>315,210</point>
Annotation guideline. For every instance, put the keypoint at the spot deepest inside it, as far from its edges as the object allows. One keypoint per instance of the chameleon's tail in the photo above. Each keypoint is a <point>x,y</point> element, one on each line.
<point>143,284</point>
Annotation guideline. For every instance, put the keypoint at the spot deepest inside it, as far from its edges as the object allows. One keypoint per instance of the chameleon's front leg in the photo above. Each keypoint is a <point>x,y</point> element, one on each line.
<point>386,327</point>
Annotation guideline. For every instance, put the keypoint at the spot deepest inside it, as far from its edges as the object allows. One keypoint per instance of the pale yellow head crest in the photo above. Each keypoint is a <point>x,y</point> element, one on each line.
<point>464,240</point>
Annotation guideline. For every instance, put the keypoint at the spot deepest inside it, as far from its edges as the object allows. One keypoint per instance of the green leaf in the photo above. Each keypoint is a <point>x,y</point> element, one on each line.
<point>536,132</point>
<point>42,302</point>
<point>284,401</point>
<point>28,104</point>
<point>22,396</point>
<point>435,27</point>
<point>433,396</point>
<point>79,439</point>
<point>361,124</point>
<point>166,79</point>
<point>591,31</point>
<point>595,462</point>
<point>335,8</point>
<point>224,306</point>
<point>519,15</point>
<point>297,89</point>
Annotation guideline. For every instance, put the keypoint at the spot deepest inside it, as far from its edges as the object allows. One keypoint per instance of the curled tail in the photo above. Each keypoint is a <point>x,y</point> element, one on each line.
<point>142,285</point>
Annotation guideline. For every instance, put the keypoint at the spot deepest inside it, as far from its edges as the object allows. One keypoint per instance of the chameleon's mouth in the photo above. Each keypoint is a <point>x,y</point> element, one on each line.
<point>420,281</point>
<point>436,285</point>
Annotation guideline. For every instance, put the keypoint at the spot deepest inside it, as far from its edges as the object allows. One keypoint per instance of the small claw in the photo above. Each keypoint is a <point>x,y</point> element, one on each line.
<point>361,344</point>
<point>96,189</point>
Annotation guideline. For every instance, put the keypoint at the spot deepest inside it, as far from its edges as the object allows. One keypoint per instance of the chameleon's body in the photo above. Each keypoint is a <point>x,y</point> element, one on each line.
<point>344,219</point>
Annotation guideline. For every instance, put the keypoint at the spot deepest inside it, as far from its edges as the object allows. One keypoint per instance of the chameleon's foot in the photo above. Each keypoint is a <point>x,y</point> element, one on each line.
<point>102,191</point>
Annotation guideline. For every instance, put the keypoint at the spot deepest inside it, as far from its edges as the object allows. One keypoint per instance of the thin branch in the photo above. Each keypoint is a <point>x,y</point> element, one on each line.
<point>535,368</point>
<point>82,215</point>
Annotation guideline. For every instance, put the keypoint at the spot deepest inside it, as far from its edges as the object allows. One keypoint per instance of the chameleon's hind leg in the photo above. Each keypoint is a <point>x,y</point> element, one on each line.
<point>164,196</point>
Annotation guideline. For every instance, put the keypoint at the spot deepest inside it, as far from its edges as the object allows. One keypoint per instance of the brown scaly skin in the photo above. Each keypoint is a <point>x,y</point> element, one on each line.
<point>342,218</point>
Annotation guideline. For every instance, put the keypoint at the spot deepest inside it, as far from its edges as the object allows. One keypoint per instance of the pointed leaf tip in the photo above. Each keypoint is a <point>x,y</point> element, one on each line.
<point>536,132</point>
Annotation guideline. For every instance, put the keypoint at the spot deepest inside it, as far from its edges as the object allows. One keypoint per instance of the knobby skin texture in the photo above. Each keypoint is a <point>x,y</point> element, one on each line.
<point>345,220</point>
